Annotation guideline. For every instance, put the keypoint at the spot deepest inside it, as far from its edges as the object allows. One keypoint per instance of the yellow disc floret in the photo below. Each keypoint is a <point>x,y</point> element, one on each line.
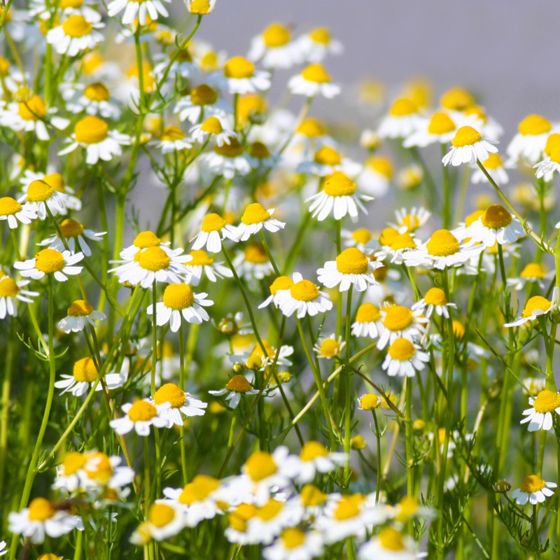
<point>316,73</point>
<point>40,509</point>
<point>152,258</point>
<point>239,68</point>
<point>178,296</point>
<point>496,217</point>
<point>442,243</point>
<point>260,465</point>
<point>397,318</point>
<point>532,483</point>
<point>402,350</point>
<point>276,35</point>
<point>91,130</point>
<point>142,411</point>
<point>170,393</point>
<point>466,136</point>
<point>76,25</point>
<point>339,184</point>
<point>85,370</point>
<point>352,261</point>
<point>9,206</point>
<point>536,305</point>
<point>546,401</point>
<point>435,296</point>
<point>304,290</point>
<point>254,213</point>
<point>534,125</point>
<point>49,261</point>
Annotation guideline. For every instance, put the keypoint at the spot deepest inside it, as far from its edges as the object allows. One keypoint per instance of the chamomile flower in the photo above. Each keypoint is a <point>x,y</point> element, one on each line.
<point>213,230</point>
<point>532,273</point>
<point>75,34</point>
<point>50,261</point>
<point>45,195</point>
<point>40,519</point>
<point>550,164</point>
<point>93,135</point>
<point>401,121</point>
<point>200,7</point>
<point>263,354</point>
<point>202,101</point>
<point>439,128</point>
<point>468,146</point>
<point>165,519</point>
<point>3,548</point>
<point>274,48</point>
<point>337,197</point>
<point>256,218</point>
<point>543,407</point>
<point>14,213</point>
<point>389,544</point>
<point>434,300</point>
<point>139,416</point>
<point>12,291</point>
<point>280,284</point>
<point>313,459</point>
<point>398,321</point>
<point>173,403</point>
<point>253,262</point>
<point>408,221</point>
<point>144,11</point>
<point>316,44</point>
<point>228,160</point>
<point>312,81</point>
<point>533,490</point>
<point>241,77</point>
<point>528,145</point>
<point>95,99</point>
<point>495,225</point>
<point>84,374</point>
<point>179,304</point>
<point>368,321</point>
<point>536,306</point>
<point>264,472</point>
<point>404,358</point>
<point>352,268</point>
<point>173,139</point>
<point>361,238</point>
<point>234,389</point>
<point>303,298</point>
<point>198,262</point>
<point>495,167</point>
<point>214,127</point>
<point>329,347</point>
<point>75,236</point>
<point>376,176</point>
<point>294,543</point>
<point>326,160</point>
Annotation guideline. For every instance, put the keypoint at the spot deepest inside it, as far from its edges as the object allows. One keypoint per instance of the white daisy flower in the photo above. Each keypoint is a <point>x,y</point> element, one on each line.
<point>164,520</point>
<point>173,403</point>
<point>303,298</point>
<point>543,406</point>
<point>352,268</point>
<point>408,221</point>
<point>533,490</point>
<point>75,236</point>
<point>84,374</point>
<point>402,120</point>
<point>317,44</point>
<point>439,128</point>
<point>329,347</point>
<point>529,143</point>
<point>100,143</point>
<point>274,48</point>
<point>180,303</point>
<point>241,77</point>
<point>12,291</point>
<point>214,127</point>
<point>468,146</point>
<point>376,175</point>
<point>295,544</point>
<point>253,263</point>
<point>234,389</point>
<point>213,231</point>
<point>227,160</point>
<point>173,139</point>
<point>75,34</point>
<point>337,197</point>
<point>361,238</point>
<point>389,544</point>
<point>434,300</point>
<point>327,160</point>
<point>94,99</point>
<point>398,322</point>
<point>142,11</point>
<point>270,518</point>
<point>47,193</point>
<point>312,81</point>
<point>395,245</point>
<point>139,416</point>
<point>41,519</point>
<point>254,218</point>
<point>50,261</point>
<point>404,358</point>
<point>367,322</point>
<point>198,262</point>
<point>313,459</point>
<point>536,306</point>
<point>495,225</point>
<point>14,213</point>
<point>200,7</point>
<point>532,273</point>
<point>202,101</point>
<point>280,284</point>
<point>495,167</point>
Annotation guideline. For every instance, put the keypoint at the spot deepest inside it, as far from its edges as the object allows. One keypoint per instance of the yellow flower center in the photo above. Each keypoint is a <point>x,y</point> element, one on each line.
<point>312,128</point>
<point>316,73</point>
<point>402,241</point>
<point>466,136</point>
<point>79,308</point>
<point>533,270</point>
<point>339,184</point>
<point>458,329</point>
<point>200,258</point>
<point>382,165</point>
<point>496,217</point>
<point>142,411</point>
<point>311,496</point>
<point>76,26</point>
<point>8,287</point>
<point>327,155</point>
<point>9,206</point>
<point>387,236</point>
<point>313,450</point>
<point>152,258</point>
<point>546,401</point>
<point>170,393</point>
<point>238,384</point>
<point>257,357</point>
<point>73,462</point>
<point>369,401</point>
<point>40,509</point>
<point>348,507</point>
<point>534,304</point>
<point>212,222</point>
<point>260,465</point>
<point>98,467</point>
<point>198,489</point>
<point>240,516</point>
<point>391,539</point>
<point>281,283</point>
<point>67,4</point>
<point>71,228</point>
<point>367,313</point>
<point>397,318</point>
<point>200,7</point>
<point>435,296</point>
<point>232,150</point>
<point>320,35</point>
<point>212,125</point>
<point>441,123</point>
<point>276,35</point>
<point>408,507</point>
<point>4,66</point>
<point>258,150</point>
<point>239,68</point>
<point>493,161</point>
<point>255,254</point>
<point>49,260</point>
<point>533,125</point>
<point>442,243</point>
<point>403,107</point>
<point>329,348</point>
<point>352,261</point>
<point>532,483</point>
<point>146,239</point>
<point>32,109</point>
<point>85,370</point>
<point>254,213</point>
<point>178,296</point>
<point>92,62</point>
<point>402,350</point>
<point>292,538</point>
<point>362,236</point>
<point>91,130</point>
<point>456,99</point>
<point>304,290</point>
<point>172,134</point>
<point>161,515</point>
<point>204,95</point>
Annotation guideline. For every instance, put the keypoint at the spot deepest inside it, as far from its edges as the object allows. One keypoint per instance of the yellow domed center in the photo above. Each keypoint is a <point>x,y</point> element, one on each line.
<point>254,213</point>
<point>76,26</point>
<point>32,109</point>
<point>8,287</point>
<point>255,254</point>
<point>457,99</point>
<point>73,462</point>
<point>435,296</point>
<point>204,95</point>
<point>238,384</point>
<point>170,393</point>
<point>172,134</point>
<point>161,515</point>
<point>533,125</point>
<point>152,258</point>
<point>339,184</point>
<point>40,509</point>
<point>496,217</point>
<point>232,150</point>
<point>312,128</point>
<point>9,206</point>
<point>493,162</point>
<point>441,123</point>
<point>79,308</point>
<point>281,283</point>
<point>304,290</point>
<point>91,130</point>
<point>199,258</point>
<point>200,7</point>
<point>260,465</point>
<point>402,350</point>
<point>146,239</point>
<point>403,107</point>
<point>71,228</point>
<point>198,489</point>
<point>212,222</point>
<point>352,261</point>
<point>532,483</point>
<point>276,35</point>
<point>397,318</point>
<point>362,236</point>
<point>368,313</point>
<point>142,411</point>
<point>402,241</point>
<point>320,35</point>
<point>313,450</point>
<point>178,296</point>
<point>212,125</point>
<point>316,73</point>
<point>391,539</point>
<point>533,270</point>
<point>369,401</point>
<point>327,155</point>
<point>387,236</point>
<point>85,370</point>
<point>49,261</point>
<point>292,538</point>
<point>239,517</point>
<point>329,348</point>
<point>67,4</point>
<point>536,304</point>
<point>381,165</point>
<point>239,68</point>
<point>348,507</point>
<point>311,496</point>
<point>466,136</point>
<point>546,401</point>
<point>442,243</point>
